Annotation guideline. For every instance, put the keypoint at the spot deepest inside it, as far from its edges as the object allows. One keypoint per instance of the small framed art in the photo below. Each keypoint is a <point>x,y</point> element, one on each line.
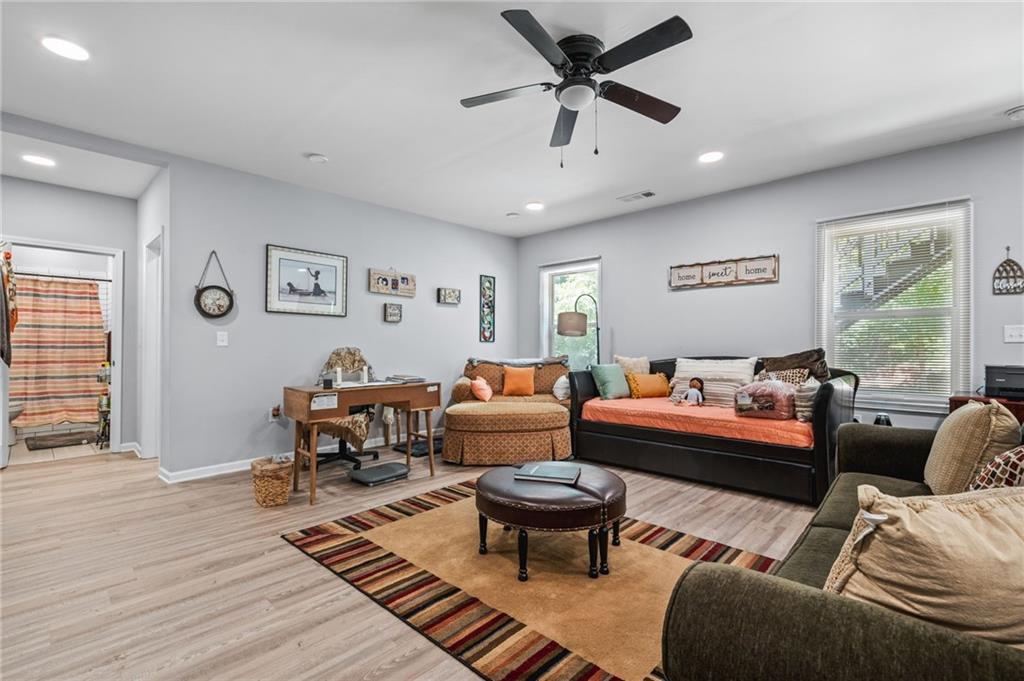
<point>392,283</point>
<point>392,313</point>
<point>306,282</point>
<point>449,296</point>
<point>486,308</point>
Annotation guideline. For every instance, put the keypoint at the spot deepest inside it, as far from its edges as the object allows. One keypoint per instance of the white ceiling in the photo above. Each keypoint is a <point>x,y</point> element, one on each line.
<point>781,88</point>
<point>74,167</point>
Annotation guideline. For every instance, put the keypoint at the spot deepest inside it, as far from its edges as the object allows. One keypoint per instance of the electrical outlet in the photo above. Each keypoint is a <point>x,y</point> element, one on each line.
<point>222,339</point>
<point>1013,333</point>
<point>271,417</point>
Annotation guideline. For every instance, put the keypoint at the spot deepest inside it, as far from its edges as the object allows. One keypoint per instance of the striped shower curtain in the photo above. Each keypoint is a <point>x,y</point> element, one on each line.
<point>57,348</point>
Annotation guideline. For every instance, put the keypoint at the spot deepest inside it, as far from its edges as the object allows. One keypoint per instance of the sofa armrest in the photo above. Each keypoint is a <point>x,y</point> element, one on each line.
<point>833,406</point>
<point>461,391</point>
<point>884,450</point>
<point>725,622</point>
<point>581,389</point>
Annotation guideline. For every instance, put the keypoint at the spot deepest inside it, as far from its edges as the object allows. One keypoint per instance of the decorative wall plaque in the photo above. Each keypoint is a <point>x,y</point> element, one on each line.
<point>761,269</point>
<point>1008,279</point>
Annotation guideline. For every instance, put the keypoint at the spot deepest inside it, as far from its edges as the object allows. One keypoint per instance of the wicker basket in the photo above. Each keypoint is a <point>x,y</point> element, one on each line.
<point>271,482</point>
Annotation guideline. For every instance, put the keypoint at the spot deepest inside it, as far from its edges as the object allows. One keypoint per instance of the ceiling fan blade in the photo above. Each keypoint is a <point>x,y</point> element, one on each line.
<point>637,101</point>
<point>663,36</point>
<point>564,124</point>
<point>535,34</point>
<point>506,94</point>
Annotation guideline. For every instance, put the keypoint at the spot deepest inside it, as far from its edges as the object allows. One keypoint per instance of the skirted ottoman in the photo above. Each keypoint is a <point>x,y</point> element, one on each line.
<point>493,433</point>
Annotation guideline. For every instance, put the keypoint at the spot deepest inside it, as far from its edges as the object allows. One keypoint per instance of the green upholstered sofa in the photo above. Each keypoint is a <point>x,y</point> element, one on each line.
<point>726,622</point>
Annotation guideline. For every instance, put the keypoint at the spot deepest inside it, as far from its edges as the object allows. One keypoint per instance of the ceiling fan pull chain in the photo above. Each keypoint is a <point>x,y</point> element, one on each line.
<point>561,157</point>
<point>595,127</point>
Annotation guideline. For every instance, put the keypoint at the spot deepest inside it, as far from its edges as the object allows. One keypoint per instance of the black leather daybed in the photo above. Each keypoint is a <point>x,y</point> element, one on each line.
<point>797,473</point>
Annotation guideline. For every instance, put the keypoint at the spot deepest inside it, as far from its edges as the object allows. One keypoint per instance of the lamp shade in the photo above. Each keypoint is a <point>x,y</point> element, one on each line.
<point>572,324</point>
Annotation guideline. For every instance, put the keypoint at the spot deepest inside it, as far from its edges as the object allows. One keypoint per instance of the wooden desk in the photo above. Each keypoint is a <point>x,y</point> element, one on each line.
<point>1016,407</point>
<point>309,406</point>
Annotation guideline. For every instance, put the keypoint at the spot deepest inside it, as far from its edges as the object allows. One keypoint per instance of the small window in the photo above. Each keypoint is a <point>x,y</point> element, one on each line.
<point>894,300</point>
<point>564,288</point>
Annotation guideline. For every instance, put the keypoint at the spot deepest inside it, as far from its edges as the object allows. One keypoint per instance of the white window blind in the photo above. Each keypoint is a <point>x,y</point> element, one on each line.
<point>894,300</point>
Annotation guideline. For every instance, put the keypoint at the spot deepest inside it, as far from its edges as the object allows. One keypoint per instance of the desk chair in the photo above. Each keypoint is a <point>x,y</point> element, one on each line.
<point>354,428</point>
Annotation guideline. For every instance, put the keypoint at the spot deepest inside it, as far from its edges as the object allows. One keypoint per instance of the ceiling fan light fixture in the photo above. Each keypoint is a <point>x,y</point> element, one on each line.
<point>318,159</point>
<point>576,95</point>
<point>1015,114</point>
<point>711,157</point>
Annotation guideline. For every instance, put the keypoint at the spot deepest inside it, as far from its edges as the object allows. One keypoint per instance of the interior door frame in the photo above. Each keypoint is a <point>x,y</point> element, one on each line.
<point>116,318</point>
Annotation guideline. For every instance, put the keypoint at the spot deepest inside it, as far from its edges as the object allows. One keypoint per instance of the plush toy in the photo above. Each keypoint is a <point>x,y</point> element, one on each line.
<point>695,395</point>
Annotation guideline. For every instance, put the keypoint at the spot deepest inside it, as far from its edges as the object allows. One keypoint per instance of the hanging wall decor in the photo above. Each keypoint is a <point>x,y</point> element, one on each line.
<point>761,269</point>
<point>392,283</point>
<point>214,301</point>
<point>1008,279</point>
<point>486,308</point>
<point>449,296</point>
<point>306,282</point>
<point>392,313</point>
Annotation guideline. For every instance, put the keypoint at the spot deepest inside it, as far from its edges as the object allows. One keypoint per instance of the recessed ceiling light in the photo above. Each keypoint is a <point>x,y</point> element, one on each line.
<point>1016,113</point>
<point>38,160</point>
<point>319,159</point>
<point>711,157</point>
<point>65,48</point>
<point>512,215</point>
<point>535,206</point>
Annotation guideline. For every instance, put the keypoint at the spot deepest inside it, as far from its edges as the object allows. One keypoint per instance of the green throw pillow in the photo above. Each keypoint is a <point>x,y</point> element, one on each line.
<point>610,380</point>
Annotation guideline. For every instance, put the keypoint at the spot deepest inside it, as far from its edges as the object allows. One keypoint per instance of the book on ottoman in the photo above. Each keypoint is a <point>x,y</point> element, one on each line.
<point>548,472</point>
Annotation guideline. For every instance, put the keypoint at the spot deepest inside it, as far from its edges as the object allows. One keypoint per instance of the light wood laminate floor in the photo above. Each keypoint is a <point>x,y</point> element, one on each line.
<point>108,573</point>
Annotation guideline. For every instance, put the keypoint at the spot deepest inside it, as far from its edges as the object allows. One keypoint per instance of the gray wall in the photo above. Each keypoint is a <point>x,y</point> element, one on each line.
<point>642,317</point>
<point>46,211</point>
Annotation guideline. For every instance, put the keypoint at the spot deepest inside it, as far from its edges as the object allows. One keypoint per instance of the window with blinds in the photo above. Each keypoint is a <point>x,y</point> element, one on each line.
<point>894,300</point>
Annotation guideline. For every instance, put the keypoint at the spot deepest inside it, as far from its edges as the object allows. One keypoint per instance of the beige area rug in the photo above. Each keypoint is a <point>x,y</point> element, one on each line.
<point>418,558</point>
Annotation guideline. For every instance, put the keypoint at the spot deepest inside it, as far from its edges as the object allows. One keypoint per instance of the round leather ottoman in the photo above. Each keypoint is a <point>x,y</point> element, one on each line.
<point>595,502</point>
<point>491,433</point>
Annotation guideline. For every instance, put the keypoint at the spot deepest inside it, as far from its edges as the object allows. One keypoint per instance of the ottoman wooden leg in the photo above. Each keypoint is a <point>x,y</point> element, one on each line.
<point>483,534</point>
<point>602,540</point>
<point>592,541</point>
<point>522,555</point>
<point>615,533</point>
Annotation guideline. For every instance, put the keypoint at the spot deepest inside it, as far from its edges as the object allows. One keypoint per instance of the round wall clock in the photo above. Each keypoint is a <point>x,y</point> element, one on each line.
<point>214,301</point>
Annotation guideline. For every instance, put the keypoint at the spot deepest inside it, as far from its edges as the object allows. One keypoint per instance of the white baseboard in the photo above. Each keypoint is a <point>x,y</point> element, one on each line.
<point>132,447</point>
<point>243,464</point>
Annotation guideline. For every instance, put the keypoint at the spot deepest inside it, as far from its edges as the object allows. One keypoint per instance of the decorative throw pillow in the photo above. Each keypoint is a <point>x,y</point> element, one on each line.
<point>795,376</point>
<point>610,380</point>
<point>647,385</point>
<point>953,560</point>
<point>481,390</point>
<point>722,377</point>
<point>803,401</point>
<point>518,381</point>
<point>633,365</point>
<point>1006,470</point>
<point>561,388</point>
<point>813,360</point>
<point>967,440</point>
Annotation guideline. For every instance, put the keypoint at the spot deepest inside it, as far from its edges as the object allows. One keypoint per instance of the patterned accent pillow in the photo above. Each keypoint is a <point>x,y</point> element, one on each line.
<point>795,376</point>
<point>806,393</point>
<point>1006,470</point>
<point>633,365</point>
<point>561,388</point>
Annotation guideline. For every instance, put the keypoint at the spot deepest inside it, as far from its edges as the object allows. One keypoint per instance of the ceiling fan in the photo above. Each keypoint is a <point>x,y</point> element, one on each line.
<point>578,58</point>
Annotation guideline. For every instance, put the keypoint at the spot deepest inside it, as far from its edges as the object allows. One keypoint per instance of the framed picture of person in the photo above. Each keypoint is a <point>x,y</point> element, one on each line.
<point>306,282</point>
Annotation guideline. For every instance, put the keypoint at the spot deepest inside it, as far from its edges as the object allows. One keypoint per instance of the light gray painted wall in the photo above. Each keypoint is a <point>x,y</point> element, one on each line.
<point>153,218</point>
<point>46,211</point>
<point>642,317</point>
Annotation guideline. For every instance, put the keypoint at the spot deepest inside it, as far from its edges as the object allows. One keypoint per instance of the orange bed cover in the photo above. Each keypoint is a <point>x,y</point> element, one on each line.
<point>661,413</point>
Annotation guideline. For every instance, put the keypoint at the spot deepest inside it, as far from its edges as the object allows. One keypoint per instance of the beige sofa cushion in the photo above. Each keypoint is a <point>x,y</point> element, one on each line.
<point>955,560</point>
<point>967,440</point>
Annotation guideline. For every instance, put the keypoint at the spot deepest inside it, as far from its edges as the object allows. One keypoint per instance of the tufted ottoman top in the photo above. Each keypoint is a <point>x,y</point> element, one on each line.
<point>505,417</point>
<point>597,498</point>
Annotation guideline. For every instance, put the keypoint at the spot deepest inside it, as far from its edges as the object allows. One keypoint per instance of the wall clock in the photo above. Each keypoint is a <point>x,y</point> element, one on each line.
<point>214,301</point>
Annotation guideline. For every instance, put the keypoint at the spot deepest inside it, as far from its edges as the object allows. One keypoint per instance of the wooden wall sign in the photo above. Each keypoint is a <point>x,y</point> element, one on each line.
<point>761,269</point>
<point>1008,279</point>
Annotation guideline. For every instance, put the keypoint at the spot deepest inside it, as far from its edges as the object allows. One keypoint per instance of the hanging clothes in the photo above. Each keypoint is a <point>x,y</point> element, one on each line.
<point>58,345</point>
<point>8,306</point>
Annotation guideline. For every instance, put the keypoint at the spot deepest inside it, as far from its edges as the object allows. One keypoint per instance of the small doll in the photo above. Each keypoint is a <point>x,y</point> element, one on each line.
<point>695,395</point>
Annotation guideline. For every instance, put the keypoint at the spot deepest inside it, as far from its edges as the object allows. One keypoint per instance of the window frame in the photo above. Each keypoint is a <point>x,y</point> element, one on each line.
<point>546,272</point>
<point>960,311</point>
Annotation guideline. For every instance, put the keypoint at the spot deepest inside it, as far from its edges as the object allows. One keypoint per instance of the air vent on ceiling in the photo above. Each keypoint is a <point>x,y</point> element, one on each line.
<point>637,196</point>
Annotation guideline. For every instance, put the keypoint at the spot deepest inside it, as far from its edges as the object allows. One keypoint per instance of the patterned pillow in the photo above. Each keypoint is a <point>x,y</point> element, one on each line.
<point>1006,470</point>
<point>722,378</point>
<point>806,393</point>
<point>795,376</point>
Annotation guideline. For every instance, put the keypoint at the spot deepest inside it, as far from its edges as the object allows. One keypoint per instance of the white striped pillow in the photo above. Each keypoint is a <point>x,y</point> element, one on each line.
<point>722,377</point>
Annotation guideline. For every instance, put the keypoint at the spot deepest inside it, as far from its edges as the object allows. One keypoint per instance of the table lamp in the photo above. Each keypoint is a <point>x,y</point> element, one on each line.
<point>575,323</point>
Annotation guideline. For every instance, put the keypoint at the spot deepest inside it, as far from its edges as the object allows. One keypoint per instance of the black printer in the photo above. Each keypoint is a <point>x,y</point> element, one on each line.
<point>1004,381</point>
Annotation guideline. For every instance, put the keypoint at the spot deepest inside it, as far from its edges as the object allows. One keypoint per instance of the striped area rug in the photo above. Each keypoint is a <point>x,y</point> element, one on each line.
<point>57,348</point>
<point>489,642</point>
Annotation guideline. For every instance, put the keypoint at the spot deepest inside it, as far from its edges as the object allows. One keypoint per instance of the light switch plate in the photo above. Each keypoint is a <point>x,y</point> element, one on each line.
<point>222,339</point>
<point>1013,333</point>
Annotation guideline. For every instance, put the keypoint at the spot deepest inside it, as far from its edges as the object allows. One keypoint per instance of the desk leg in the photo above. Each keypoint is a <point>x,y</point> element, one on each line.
<point>297,460</point>
<point>398,425</point>
<point>430,440</point>
<point>313,434</point>
<point>408,440</point>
